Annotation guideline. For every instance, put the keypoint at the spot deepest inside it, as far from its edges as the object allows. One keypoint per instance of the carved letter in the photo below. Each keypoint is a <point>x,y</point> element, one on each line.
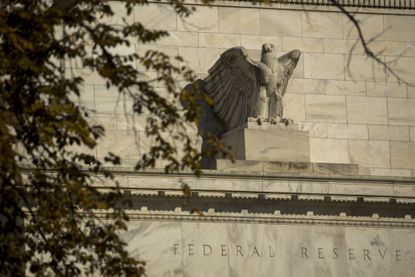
<point>190,247</point>
<point>223,248</point>
<point>255,251</point>
<point>204,249</point>
<point>366,254</point>
<point>175,248</point>
<point>239,250</point>
<point>398,255</point>
<point>351,256</point>
<point>320,253</point>
<point>382,254</point>
<point>271,255</point>
<point>304,252</point>
<point>335,253</point>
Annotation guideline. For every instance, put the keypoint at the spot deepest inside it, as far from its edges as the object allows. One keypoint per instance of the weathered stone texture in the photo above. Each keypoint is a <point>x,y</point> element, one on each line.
<point>411,91</point>
<point>218,40</point>
<point>371,25</point>
<point>401,111</point>
<point>323,66</point>
<point>178,38</point>
<point>345,87</point>
<point>199,59</point>
<point>341,46</point>
<point>280,22</point>
<point>294,107</point>
<point>366,110</point>
<point>352,131</point>
<point>315,25</point>
<point>389,132</point>
<point>403,67</point>
<point>156,16</point>
<point>329,150</point>
<point>409,48</point>
<point>326,108</point>
<point>255,42</point>
<point>412,133</point>
<point>204,20</point>
<point>305,44</point>
<point>386,89</point>
<point>237,20</point>
<point>318,130</point>
<point>399,28</point>
<point>310,86</point>
<point>387,48</point>
<point>390,172</point>
<point>369,153</point>
<point>402,154</point>
<point>362,68</point>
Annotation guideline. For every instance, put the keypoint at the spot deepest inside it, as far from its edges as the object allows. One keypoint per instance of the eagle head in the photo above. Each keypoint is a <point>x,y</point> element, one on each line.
<point>268,47</point>
<point>268,53</point>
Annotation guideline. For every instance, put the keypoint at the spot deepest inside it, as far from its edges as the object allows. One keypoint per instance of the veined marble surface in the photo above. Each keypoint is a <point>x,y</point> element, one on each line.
<point>243,249</point>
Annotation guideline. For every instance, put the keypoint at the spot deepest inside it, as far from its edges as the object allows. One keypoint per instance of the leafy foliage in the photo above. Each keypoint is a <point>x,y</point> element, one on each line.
<point>48,223</point>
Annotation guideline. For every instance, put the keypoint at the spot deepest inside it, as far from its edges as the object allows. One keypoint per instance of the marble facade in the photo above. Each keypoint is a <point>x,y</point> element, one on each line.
<point>247,249</point>
<point>339,96</point>
<point>271,219</point>
<point>344,208</point>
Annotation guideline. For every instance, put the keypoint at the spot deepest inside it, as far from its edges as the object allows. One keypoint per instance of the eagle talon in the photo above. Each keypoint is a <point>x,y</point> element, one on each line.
<point>259,121</point>
<point>274,120</point>
<point>287,121</point>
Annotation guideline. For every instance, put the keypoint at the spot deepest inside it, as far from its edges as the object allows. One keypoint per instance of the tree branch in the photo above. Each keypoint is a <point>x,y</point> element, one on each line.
<point>365,44</point>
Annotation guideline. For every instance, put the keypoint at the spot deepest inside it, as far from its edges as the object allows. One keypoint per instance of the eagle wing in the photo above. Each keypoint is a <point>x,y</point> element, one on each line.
<point>288,62</point>
<point>233,85</point>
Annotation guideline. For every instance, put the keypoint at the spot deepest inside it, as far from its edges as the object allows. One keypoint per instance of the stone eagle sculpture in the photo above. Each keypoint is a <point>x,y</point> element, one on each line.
<point>243,89</point>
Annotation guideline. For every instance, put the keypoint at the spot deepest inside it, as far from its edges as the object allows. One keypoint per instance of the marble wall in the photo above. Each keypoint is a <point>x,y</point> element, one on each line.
<point>244,249</point>
<point>355,111</point>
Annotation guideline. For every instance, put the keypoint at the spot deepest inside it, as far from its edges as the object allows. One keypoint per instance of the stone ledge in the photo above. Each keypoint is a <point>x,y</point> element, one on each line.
<point>126,171</point>
<point>302,7</point>
<point>266,218</point>
<point>301,168</point>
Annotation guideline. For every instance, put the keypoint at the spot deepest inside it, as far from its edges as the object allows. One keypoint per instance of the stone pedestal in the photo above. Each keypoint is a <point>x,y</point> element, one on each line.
<point>268,142</point>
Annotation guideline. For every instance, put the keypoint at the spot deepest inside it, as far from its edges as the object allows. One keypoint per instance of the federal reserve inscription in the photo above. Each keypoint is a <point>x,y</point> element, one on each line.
<point>246,250</point>
<point>303,252</point>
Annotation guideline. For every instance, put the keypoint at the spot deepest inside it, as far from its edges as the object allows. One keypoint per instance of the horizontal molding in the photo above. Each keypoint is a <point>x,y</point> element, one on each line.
<point>382,4</point>
<point>243,217</point>
<point>231,174</point>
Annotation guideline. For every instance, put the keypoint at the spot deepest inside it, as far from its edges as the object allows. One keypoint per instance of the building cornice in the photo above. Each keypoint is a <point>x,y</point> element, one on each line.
<point>257,218</point>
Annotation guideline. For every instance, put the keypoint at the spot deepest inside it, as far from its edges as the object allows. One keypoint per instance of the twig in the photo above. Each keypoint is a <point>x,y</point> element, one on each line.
<point>365,46</point>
